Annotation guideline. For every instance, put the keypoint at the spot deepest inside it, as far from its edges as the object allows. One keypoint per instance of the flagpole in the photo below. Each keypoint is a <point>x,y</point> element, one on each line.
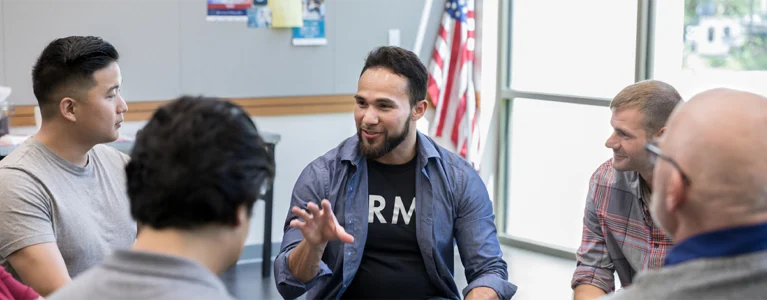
<point>422,26</point>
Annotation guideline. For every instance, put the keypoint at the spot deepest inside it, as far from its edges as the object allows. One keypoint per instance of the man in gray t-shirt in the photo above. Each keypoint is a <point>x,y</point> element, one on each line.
<point>196,171</point>
<point>46,199</point>
<point>63,202</point>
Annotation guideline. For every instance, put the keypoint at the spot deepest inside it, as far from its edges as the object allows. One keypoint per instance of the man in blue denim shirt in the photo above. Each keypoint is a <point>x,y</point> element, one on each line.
<point>379,215</point>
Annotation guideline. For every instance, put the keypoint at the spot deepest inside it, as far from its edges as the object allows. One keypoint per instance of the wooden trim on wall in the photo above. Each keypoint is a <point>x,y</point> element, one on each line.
<point>270,106</point>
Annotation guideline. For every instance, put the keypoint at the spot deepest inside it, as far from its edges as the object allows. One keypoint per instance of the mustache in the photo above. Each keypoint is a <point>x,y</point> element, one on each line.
<point>370,129</point>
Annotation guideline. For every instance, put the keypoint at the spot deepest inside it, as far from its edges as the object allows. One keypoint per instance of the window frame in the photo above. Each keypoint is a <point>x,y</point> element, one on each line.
<point>506,95</point>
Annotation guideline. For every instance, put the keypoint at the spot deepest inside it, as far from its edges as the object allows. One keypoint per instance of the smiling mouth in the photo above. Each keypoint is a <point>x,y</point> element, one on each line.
<point>369,134</point>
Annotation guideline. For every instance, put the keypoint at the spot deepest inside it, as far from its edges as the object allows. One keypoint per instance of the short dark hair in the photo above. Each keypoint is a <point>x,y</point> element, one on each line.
<point>194,163</point>
<point>403,63</point>
<point>66,66</point>
<point>655,99</point>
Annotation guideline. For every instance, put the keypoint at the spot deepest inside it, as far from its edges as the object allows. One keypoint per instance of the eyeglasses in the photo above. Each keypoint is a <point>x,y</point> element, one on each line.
<point>654,152</point>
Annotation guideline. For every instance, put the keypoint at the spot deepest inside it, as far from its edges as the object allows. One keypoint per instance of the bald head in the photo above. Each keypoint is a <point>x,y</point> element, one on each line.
<point>719,139</point>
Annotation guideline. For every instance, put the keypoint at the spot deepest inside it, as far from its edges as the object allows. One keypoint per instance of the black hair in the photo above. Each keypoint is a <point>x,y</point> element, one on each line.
<point>195,163</point>
<point>404,63</point>
<point>65,68</point>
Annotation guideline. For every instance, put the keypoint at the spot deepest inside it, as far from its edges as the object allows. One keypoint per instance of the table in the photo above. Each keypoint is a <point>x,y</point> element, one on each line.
<point>126,144</point>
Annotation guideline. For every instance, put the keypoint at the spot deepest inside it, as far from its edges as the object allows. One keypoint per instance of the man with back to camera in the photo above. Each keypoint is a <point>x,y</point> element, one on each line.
<point>62,194</point>
<point>404,203</point>
<point>710,197</point>
<point>618,233</point>
<point>195,173</point>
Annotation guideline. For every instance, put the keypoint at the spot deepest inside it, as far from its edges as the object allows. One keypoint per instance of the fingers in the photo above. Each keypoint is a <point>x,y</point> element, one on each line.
<point>326,205</point>
<point>313,209</point>
<point>343,236</point>
<point>297,224</point>
<point>301,214</point>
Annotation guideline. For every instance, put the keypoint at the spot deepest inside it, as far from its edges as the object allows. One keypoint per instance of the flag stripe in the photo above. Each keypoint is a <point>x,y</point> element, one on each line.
<point>456,45</point>
<point>453,78</point>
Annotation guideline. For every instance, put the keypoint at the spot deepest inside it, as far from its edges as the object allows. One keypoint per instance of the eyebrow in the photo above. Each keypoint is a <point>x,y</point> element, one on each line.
<point>378,100</point>
<point>116,86</point>
<point>624,132</point>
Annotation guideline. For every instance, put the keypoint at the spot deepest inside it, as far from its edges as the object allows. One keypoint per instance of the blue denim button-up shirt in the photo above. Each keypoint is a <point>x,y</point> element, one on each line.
<point>452,207</point>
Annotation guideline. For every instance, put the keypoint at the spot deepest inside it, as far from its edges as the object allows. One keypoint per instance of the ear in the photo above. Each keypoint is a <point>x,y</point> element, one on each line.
<point>420,109</point>
<point>68,108</point>
<point>660,132</point>
<point>676,193</point>
<point>242,215</point>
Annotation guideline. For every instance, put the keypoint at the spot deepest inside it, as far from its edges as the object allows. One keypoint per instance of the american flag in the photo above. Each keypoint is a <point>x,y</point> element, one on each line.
<point>452,81</point>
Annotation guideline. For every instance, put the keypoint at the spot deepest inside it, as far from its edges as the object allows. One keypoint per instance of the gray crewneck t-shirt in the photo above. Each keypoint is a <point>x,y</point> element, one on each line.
<point>129,274</point>
<point>45,198</point>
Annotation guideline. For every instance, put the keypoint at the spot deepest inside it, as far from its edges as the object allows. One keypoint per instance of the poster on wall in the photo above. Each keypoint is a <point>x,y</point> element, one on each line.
<point>259,17</point>
<point>313,30</point>
<point>228,10</point>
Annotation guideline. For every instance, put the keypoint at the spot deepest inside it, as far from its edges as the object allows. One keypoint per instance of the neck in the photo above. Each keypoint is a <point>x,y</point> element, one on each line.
<point>202,246</point>
<point>403,153</point>
<point>647,177</point>
<point>63,142</point>
<point>717,219</point>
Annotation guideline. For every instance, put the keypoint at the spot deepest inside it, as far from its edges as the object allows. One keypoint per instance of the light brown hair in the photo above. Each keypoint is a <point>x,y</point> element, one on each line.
<point>655,99</point>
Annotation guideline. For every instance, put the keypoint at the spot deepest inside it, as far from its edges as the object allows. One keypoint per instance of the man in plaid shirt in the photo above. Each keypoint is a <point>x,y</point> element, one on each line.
<point>618,232</point>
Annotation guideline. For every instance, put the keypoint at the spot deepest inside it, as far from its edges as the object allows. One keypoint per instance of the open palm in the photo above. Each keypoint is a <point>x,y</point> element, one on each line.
<point>319,226</point>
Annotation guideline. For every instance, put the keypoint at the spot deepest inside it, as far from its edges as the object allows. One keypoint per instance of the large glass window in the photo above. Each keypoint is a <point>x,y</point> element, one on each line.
<point>554,149</point>
<point>566,58</point>
<point>702,44</point>
<point>582,48</point>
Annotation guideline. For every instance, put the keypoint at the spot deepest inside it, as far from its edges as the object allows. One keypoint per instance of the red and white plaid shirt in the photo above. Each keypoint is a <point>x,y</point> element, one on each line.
<point>618,232</point>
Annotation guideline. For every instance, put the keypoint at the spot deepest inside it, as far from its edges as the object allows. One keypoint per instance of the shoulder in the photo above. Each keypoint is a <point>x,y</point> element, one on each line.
<point>26,155</point>
<point>453,163</point>
<point>15,178</point>
<point>110,156</point>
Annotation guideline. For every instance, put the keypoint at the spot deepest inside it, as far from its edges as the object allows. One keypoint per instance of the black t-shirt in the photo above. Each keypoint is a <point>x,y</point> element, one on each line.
<point>392,266</point>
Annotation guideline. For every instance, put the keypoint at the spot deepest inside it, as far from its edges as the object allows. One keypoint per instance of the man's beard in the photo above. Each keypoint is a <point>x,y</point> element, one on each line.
<point>389,143</point>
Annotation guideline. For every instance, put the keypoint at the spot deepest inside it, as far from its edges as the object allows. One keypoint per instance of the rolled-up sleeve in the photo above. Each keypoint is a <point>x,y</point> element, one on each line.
<point>477,239</point>
<point>594,265</point>
<point>310,187</point>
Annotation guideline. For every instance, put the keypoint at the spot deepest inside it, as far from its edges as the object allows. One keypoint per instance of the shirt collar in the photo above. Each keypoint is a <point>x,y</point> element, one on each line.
<point>425,146</point>
<point>720,243</point>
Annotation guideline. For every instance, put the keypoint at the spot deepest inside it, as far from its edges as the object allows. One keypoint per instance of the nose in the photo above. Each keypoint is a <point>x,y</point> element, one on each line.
<point>370,117</point>
<point>612,141</point>
<point>122,106</point>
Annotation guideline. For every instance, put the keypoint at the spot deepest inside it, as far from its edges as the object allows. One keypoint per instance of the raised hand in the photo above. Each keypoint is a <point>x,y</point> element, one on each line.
<point>319,226</point>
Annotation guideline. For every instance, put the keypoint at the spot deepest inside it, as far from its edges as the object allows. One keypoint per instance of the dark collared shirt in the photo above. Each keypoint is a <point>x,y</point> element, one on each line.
<point>721,243</point>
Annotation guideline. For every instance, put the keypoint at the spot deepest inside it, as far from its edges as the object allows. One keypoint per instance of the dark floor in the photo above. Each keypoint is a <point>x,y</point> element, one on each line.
<point>537,276</point>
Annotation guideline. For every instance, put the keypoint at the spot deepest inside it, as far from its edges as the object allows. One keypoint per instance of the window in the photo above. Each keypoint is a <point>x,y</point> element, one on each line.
<point>711,43</point>
<point>554,149</point>
<point>566,59</point>
<point>579,48</point>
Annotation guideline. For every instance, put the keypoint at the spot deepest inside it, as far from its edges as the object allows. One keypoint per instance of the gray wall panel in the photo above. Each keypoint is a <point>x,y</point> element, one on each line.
<point>145,35</point>
<point>364,25</point>
<point>228,59</point>
<point>168,48</point>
